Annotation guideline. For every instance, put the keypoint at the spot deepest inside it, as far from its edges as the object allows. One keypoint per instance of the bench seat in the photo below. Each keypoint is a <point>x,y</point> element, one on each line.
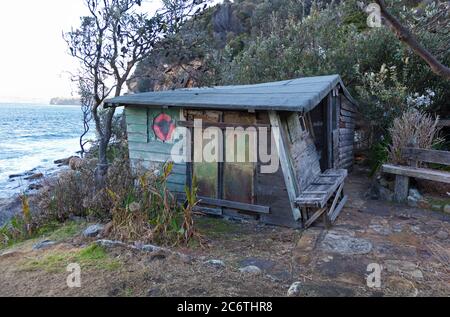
<point>416,172</point>
<point>323,197</point>
<point>319,192</point>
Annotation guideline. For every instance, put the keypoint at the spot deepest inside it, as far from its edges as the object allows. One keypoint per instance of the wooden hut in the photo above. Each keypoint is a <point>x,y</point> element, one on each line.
<point>310,120</point>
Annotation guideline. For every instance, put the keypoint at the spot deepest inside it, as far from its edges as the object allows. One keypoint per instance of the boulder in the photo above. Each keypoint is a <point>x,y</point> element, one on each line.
<point>251,269</point>
<point>147,247</point>
<point>34,177</point>
<point>215,263</point>
<point>344,244</point>
<point>43,245</point>
<point>447,209</point>
<point>386,194</point>
<point>415,193</point>
<point>442,235</point>
<point>35,187</point>
<point>10,254</point>
<point>158,255</point>
<point>63,162</point>
<point>75,163</point>
<point>379,192</point>
<point>93,231</point>
<point>294,289</point>
<point>403,267</point>
<point>109,243</point>
<point>16,175</point>
<point>412,201</point>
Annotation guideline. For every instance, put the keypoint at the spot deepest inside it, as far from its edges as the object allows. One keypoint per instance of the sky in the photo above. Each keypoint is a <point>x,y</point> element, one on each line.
<point>34,62</point>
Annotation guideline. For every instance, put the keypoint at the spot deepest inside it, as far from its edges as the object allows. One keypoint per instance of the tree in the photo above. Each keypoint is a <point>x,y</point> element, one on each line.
<point>85,91</point>
<point>407,37</point>
<point>108,44</point>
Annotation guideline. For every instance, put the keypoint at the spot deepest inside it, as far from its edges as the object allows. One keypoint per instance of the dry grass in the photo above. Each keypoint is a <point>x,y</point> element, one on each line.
<point>414,128</point>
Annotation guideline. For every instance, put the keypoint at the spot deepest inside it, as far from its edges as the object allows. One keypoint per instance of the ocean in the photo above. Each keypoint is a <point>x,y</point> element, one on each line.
<point>32,137</point>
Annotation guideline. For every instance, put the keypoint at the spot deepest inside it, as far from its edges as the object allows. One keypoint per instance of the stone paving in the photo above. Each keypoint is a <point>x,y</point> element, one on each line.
<point>411,245</point>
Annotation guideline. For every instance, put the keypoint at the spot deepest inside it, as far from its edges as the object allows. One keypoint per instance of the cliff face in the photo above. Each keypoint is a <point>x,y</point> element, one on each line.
<point>191,57</point>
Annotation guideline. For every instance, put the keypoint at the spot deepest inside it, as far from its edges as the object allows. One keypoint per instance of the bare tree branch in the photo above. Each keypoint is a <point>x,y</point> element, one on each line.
<point>409,39</point>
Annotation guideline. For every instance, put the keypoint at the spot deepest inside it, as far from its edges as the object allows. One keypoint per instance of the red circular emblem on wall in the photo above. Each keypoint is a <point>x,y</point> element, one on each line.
<point>163,126</point>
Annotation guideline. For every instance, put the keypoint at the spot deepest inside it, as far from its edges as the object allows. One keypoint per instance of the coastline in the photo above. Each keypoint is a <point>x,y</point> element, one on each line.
<point>29,183</point>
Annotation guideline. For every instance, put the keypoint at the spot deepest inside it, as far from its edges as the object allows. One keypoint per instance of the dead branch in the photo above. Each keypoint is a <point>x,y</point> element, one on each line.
<point>409,39</point>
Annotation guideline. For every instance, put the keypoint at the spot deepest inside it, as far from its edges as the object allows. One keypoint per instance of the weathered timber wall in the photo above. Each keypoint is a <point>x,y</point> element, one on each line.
<point>271,190</point>
<point>346,133</point>
<point>146,151</point>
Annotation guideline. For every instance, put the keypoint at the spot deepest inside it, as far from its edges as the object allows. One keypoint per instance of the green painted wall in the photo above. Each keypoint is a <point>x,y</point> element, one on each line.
<point>146,150</point>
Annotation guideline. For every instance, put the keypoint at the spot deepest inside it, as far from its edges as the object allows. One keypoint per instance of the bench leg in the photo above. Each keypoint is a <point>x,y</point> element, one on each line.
<point>304,212</point>
<point>326,220</point>
<point>401,188</point>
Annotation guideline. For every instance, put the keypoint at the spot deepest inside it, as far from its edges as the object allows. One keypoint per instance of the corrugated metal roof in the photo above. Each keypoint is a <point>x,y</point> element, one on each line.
<point>301,94</point>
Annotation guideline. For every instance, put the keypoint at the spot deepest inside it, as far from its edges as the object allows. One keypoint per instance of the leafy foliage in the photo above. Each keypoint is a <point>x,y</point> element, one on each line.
<point>251,41</point>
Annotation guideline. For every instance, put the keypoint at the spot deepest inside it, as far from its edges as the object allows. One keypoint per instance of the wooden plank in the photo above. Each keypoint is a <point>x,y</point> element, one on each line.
<point>140,118</point>
<point>346,155</point>
<point>223,125</point>
<point>346,131</point>
<point>347,105</point>
<point>137,128</point>
<point>153,147</point>
<point>177,168</point>
<point>135,111</point>
<point>315,192</point>
<point>335,148</point>
<point>154,157</point>
<point>347,137</point>
<point>401,188</point>
<point>314,217</point>
<point>329,131</point>
<point>303,154</point>
<point>311,201</point>
<point>322,183</point>
<point>424,155</point>
<point>137,137</point>
<point>424,173</point>
<point>345,119</point>
<point>345,143</point>
<point>289,178</point>
<point>338,209</point>
<point>234,205</point>
<point>336,199</point>
<point>347,125</point>
<point>347,113</point>
<point>178,179</point>
<point>175,188</point>
<point>209,211</point>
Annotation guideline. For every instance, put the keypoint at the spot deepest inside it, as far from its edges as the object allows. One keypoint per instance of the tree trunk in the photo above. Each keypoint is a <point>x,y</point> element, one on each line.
<point>104,138</point>
<point>102,166</point>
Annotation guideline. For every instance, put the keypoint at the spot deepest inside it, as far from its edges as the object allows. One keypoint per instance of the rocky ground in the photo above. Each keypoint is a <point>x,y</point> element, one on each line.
<point>29,183</point>
<point>410,245</point>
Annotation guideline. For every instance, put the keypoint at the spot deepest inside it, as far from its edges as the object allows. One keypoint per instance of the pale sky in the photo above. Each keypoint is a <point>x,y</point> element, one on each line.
<point>34,62</point>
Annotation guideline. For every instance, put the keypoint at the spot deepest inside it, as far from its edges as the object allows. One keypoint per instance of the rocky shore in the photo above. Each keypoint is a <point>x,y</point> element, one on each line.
<point>29,182</point>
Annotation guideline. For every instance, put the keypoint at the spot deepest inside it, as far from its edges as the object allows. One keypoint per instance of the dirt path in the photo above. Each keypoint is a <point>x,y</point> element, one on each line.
<point>411,246</point>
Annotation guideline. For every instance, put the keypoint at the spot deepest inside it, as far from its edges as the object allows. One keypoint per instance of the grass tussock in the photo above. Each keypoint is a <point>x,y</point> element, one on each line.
<point>413,129</point>
<point>149,212</point>
<point>137,203</point>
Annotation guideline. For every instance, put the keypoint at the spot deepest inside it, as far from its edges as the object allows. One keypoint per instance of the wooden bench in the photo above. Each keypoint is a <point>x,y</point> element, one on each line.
<point>414,157</point>
<point>323,197</point>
